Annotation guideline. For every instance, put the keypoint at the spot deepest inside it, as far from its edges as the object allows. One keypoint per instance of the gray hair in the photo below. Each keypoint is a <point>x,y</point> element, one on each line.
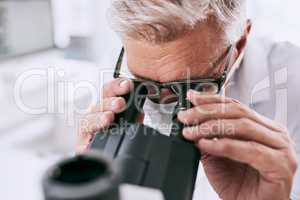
<point>165,20</point>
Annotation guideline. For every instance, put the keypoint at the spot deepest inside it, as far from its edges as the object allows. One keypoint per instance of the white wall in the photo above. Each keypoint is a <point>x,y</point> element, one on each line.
<point>277,19</point>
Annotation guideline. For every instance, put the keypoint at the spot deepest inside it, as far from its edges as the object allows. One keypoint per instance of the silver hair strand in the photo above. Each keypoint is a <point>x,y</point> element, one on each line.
<point>165,20</point>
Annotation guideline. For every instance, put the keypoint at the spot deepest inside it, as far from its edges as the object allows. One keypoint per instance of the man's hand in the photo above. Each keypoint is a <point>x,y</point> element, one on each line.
<point>102,115</point>
<point>245,155</point>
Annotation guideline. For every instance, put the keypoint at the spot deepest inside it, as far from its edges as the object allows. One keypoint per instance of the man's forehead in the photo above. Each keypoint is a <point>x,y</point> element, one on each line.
<point>174,60</point>
<point>206,36</point>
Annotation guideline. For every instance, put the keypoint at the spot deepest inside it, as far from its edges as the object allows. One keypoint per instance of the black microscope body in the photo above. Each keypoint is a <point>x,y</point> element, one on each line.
<point>142,155</point>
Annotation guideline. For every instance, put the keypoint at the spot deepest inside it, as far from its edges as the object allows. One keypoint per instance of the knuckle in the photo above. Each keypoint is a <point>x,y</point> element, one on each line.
<point>229,127</point>
<point>204,111</point>
<point>289,165</point>
<point>203,129</point>
<point>235,101</point>
<point>213,124</point>
<point>293,162</point>
<point>189,116</point>
<point>231,100</point>
<point>291,157</point>
<point>197,110</point>
<point>111,87</point>
<point>242,123</point>
<point>294,165</point>
<point>226,147</point>
<point>281,128</point>
<point>211,127</point>
<point>255,148</point>
<point>106,118</point>
<point>115,82</point>
<point>238,127</point>
<point>286,139</point>
<point>241,109</point>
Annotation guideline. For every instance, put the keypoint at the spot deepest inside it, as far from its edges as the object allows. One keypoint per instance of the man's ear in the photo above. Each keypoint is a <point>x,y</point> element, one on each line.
<point>241,44</point>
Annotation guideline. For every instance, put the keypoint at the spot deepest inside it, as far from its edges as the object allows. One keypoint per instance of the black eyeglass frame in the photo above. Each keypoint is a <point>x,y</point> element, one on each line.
<point>170,85</point>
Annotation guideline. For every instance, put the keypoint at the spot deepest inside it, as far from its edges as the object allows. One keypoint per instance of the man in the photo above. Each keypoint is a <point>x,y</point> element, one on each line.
<point>246,153</point>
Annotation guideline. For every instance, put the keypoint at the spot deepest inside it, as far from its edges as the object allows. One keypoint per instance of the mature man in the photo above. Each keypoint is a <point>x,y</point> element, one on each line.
<point>247,154</point>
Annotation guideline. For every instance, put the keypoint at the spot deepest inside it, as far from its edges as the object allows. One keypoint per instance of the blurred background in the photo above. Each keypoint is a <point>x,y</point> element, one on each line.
<point>54,55</point>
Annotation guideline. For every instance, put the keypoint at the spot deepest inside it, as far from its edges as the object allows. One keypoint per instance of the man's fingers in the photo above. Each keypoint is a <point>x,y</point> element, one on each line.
<point>244,129</point>
<point>232,110</point>
<point>197,98</point>
<point>114,104</point>
<point>117,87</point>
<point>207,112</point>
<point>96,121</point>
<point>93,123</point>
<point>214,106</point>
<point>101,116</point>
<point>256,155</point>
<point>269,123</point>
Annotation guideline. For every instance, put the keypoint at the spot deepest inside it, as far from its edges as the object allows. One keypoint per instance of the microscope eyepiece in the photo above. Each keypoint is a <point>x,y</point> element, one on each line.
<point>85,177</point>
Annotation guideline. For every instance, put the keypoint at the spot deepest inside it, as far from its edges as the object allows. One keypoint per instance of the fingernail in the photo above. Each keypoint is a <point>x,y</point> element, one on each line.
<point>118,104</point>
<point>124,83</point>
<point>190,94</point>
<point>114,103</point>
<point>187,133</point>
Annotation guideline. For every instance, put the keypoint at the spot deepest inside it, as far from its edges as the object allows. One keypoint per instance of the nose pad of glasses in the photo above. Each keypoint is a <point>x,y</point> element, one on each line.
<point>153,90</point>
<point>179,89</point>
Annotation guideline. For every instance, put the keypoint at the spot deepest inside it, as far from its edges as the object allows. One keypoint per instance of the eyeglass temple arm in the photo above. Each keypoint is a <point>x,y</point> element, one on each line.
<point>229,59</point>
<point>119,64</point>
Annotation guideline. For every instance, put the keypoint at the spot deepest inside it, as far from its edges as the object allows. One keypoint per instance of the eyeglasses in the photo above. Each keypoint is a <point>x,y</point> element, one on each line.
<point>203,85</point>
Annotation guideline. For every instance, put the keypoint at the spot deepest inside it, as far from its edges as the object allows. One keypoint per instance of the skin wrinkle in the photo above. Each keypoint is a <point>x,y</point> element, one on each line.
<point>173,60</point>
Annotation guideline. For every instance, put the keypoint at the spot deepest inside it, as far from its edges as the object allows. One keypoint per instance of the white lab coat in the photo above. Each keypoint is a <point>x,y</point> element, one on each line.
<point>268,81</point>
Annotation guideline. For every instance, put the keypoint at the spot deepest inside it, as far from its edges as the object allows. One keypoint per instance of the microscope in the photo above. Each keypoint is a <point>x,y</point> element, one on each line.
<point>131,154</point>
